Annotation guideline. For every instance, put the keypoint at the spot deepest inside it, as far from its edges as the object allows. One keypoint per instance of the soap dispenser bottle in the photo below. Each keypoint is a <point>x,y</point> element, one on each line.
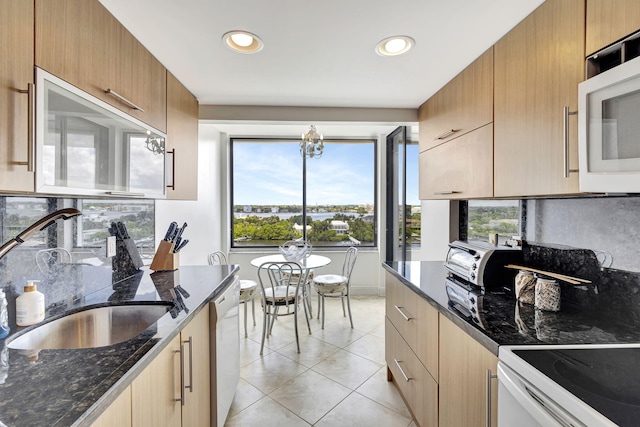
<point>30,305</point>
<point>4,315</point>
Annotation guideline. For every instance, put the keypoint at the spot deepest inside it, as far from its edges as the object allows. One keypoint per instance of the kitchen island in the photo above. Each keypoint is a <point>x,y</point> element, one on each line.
<point>73,386</point>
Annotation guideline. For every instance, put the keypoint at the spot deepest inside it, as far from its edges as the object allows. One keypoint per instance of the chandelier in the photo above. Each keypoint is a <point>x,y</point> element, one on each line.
<point>155,144</point>
<point>312,143</point>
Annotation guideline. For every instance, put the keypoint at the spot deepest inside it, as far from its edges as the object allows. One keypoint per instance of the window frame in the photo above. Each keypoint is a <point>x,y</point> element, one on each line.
<point>235,139</point>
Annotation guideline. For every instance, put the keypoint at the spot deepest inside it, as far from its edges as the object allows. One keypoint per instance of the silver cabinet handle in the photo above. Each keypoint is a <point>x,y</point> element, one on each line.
<point>407,318</point>
<point>565,136</point>
<point>445,192</point>
<point>489,376</point>
<point>406,378</point>
<point>173,169</point>
<point>181,351</point>
<point>124,194</point>
<point>123,100</point>
<point>446,134</point>
<point>31,123</point>
<point>190,386</point>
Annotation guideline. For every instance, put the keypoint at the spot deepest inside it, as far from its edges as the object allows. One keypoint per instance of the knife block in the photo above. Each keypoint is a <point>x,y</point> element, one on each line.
<point>165,259</point>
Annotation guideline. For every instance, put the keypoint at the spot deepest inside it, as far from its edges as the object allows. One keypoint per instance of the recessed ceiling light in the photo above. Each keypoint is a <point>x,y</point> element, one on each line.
<point>242,41</point>
<point>396,45</point>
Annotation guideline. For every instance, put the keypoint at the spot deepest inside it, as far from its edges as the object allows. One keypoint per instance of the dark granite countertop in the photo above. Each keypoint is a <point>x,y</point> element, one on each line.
<point>507,322</point>
<point>72,387</point>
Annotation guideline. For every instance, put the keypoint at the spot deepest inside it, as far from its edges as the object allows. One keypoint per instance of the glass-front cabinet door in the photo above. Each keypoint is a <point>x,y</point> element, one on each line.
<point>86,147</point>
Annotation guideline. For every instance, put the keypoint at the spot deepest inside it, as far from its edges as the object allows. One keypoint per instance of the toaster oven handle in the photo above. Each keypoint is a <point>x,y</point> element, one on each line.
<point>462,248</point>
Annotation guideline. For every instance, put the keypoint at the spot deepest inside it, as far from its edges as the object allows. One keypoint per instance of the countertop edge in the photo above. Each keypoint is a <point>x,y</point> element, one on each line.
<point>468,328</point>
<point>103,402</point>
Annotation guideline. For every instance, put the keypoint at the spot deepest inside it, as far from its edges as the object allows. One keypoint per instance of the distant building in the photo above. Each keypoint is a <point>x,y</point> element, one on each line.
<point>339,227</point>
<point>246,209</point>
<point>275,209</point>
<point>368,218</point>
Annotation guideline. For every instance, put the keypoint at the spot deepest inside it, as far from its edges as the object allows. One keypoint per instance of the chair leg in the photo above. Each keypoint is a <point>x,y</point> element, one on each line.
<point>253,309</point>
<point>319,297</point>
<point>246,335</point>
<point>349,307</point>
<point>306,315</point>
<point>322,311</point>
<point>265,325</point>
<point>344,313</point>
<point>295,321</point>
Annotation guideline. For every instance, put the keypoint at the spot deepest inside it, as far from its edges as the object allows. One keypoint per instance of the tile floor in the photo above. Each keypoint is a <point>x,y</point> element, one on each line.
<point>338,378</point>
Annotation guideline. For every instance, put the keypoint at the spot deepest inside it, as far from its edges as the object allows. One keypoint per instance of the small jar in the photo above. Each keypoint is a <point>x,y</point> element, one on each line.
<point>525,287</point>
<point>547,294</point>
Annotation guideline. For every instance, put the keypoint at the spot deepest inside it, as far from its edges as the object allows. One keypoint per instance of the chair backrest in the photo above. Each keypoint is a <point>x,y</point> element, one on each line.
<point>349,262</point>
<point>47,258</point>
<point>280,279</point>
<point>217,258</point>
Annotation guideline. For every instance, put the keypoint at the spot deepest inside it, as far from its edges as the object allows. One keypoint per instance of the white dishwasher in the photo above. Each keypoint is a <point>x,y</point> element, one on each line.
<point>569,385</point>
<point>225,351</point>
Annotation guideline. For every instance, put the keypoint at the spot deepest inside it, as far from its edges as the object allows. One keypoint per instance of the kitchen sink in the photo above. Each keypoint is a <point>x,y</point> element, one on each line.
<point>90,328</point>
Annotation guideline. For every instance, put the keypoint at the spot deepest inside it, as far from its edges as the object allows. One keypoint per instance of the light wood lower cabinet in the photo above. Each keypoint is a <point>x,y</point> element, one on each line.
<point>418,388</point>
<point>156,395</point>
<point>118,413</point>
<point>459,169</point>
<point>463,379</point>
<point>16,72</point>
<point>609,21</point>
<point>411,350</point>
<point>196,410</point>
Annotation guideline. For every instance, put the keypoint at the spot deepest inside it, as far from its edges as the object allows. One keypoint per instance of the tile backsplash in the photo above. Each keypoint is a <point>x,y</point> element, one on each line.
<point>610,226</point>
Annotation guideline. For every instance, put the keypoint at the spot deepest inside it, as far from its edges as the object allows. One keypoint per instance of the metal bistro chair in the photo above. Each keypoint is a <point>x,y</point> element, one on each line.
<point>247,288</point>
<point>337,286</point>
<point>298,251</point>
<point>282,289</point>
<point>47,258</point>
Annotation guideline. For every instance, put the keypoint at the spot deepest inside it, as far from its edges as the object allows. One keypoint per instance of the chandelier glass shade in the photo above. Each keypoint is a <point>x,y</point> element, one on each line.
<point>312,143</point>
<point>155,144</point>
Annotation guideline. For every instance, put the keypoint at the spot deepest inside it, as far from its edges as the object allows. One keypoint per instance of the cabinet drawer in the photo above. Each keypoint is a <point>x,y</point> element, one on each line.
<point>416,321</point>
<point>464,104</point>
<point>609,21</point>
<point>459,169</point>
<point>418,388</point>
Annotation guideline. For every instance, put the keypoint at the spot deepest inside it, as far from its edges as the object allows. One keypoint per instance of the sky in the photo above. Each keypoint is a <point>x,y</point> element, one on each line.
<point>271,174</point>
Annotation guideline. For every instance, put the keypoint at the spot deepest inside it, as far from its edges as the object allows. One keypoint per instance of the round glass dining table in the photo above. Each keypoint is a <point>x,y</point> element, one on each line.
<point>312,261</point>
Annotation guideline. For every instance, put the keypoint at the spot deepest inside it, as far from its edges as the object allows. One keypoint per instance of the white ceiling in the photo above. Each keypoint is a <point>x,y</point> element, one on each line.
<point>318,53</point>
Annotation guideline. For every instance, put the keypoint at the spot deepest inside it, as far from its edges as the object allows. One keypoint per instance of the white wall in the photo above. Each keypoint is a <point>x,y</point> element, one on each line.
<point>203,217</point>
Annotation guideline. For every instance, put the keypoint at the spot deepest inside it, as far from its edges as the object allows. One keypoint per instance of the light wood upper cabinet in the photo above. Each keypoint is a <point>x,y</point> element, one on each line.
<point>16,71</point>
<point>459,169</point>
<point>538,66</point>
<point>464,104</point>
<point>83,44</point>
<point>182,136</point>
<point>463,379</point>
<point>609,21</point>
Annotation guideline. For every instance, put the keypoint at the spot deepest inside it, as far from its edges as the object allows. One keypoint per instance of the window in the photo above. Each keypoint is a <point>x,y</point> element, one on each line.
<point>273,187</point>
<point>487,217</point>
<point>403,204</point>
<point>88,239</point>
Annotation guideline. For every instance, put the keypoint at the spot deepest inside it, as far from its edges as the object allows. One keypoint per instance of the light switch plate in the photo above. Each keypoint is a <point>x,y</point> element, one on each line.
<point>111,246</point>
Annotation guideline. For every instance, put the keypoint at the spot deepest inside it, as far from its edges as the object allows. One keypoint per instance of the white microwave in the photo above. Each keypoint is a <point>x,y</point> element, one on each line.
<point>609,130</point>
